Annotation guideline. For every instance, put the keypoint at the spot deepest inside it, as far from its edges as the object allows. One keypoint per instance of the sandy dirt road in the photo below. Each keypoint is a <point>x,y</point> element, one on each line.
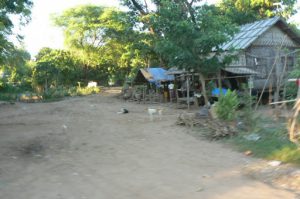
<point>80,148</point>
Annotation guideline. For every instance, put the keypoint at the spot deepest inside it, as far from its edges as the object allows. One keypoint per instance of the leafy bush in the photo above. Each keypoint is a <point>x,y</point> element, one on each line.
<point>247,114</point>
<point>8,96</point>
<point>55,93</point>
<point>61,92</point>
<point>291,90</point>
<point>87,90</point>
<point>273,142</point>
<point>291,87</point>
<point>12,93</point>
<point>227,105</point>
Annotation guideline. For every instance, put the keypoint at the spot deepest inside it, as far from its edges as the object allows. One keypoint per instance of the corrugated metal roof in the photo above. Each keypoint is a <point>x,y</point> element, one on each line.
<point>241,71</point>
<point>175,71</point>
<point>249,33</point>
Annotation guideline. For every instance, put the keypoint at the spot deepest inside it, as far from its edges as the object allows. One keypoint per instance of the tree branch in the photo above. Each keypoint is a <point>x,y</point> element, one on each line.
<point>191,10</point>
<point>138,7</point>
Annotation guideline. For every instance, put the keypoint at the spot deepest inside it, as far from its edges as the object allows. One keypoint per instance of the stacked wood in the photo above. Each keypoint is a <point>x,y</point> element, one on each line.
<point>187,119</point>
<point>216,128</point>
<point>30,99</point>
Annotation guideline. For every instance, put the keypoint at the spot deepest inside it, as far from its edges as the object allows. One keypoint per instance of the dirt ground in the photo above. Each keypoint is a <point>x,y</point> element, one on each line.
<point>80,148</point>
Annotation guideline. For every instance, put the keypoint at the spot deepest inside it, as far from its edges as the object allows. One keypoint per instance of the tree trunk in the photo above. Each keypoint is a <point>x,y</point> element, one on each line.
<point>46,85</point>
<point>162,62</point>
<point>202,80</point>
<point>85,73</point>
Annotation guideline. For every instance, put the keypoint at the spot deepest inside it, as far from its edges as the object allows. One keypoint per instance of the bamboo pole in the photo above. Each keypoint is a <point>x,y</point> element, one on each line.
<point>270,73</point>
<point>270,90</point>
<point>293,124</point>
<point>188,92</point>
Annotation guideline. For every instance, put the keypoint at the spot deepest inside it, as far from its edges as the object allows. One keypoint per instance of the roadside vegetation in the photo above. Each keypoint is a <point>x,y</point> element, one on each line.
<point>108,46</point>
<point>258,134</point>
<point>272,139</point>
<point>269,141</point>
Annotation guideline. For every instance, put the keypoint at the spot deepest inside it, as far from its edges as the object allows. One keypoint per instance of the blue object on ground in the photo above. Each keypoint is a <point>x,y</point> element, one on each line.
<point>216,91</point>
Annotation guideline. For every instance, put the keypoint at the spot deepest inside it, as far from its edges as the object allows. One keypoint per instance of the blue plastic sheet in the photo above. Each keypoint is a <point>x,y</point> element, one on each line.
<point>159,75</point>
<point>216,91</point>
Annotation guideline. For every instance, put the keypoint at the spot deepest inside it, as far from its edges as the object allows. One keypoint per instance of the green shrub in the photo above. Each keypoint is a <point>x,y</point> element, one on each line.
<point>72,91</point>
<point>291,90</point>
<point>246,113</point>
<point>273,142</point>
<point>291,87</point>
<point>11,93</point>
<point>227,105</point>
<point>87,90</point>
<point>56,93</point>
<point>8,96</point>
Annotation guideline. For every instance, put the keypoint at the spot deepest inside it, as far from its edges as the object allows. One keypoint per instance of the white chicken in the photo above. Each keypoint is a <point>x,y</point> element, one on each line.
<point>153,111</point>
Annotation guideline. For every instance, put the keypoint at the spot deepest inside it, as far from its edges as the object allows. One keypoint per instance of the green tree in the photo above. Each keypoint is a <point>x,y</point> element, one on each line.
<point>17,66</point>
<point>186,35</point>
<point>9,8</point>
<point>56,67</point>
<point>105,41</point>
<point>16,70</point>
<point>246,11</point>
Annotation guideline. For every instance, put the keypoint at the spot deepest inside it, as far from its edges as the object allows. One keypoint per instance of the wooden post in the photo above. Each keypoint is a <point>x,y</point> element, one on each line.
<point>298,93</point>
<point>270,90</point>
<point>188,91</point>
<point>202,80</point>
<point>293,124</point>
<point>251,86</point>
<point>293,121</point>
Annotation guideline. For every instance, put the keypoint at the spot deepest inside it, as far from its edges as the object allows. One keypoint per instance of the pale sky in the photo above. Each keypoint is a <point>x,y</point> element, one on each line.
<point>40,32</point>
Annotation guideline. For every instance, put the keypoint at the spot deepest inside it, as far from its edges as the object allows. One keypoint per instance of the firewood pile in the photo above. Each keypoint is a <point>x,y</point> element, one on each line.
<point>28,98</point>
<point>216,129</point>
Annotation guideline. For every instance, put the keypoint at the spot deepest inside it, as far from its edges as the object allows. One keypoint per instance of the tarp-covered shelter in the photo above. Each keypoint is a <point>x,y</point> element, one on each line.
<point>153,75</point>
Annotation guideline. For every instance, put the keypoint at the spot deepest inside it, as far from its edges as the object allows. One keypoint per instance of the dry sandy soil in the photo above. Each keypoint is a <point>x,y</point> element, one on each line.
<point>80,148</point>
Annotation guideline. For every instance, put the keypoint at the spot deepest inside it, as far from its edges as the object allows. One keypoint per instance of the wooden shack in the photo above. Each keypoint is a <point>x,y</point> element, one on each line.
<point>265,50</point>
<point>151,84</point>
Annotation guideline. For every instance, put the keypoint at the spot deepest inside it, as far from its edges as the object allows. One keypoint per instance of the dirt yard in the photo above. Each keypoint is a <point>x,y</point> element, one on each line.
<point>80,148</point>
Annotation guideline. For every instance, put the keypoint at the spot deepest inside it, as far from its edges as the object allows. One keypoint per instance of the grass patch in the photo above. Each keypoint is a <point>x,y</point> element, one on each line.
<point>52,94</point>
<point>8,96</point>
<point>272,145</point>
<point>87,90</point>
<point>59,93</point>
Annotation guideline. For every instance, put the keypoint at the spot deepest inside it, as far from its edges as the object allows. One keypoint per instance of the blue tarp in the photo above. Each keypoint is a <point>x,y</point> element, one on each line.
<point>154,76</point>
<point>159,75</point>
<point>216,91</point>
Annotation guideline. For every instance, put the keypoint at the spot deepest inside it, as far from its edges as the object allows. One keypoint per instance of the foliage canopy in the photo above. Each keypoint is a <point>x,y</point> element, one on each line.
<point>247,11</point>
<point>20,8</point>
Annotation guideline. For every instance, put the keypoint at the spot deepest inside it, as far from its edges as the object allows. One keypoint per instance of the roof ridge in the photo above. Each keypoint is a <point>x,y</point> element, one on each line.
<point>262,20</point>
<point>249,32</point>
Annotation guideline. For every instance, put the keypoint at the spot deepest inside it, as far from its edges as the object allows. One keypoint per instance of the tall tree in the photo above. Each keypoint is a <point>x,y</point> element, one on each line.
<point>20,8</point>
<point>56,67</point>
<point>245,11</point>
<point>92,31</point>
<point>186,35</point>
<point>16,68</point>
